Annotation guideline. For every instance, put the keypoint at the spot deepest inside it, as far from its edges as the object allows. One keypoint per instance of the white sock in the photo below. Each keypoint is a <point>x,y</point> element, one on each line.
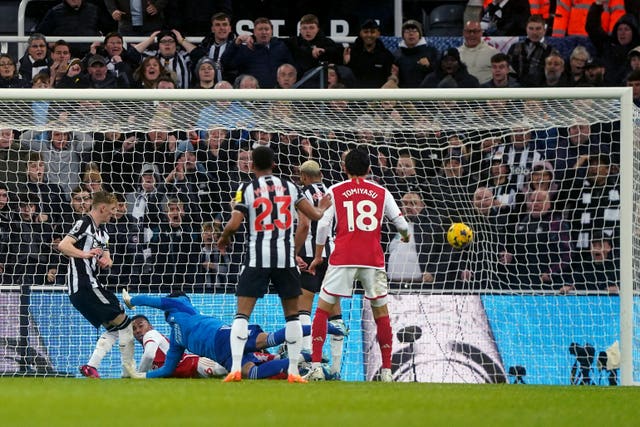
<point>336,342</point>
<point>127,345</point>
<point>103,346</point>
<point>305,319</point>
<point>238,338</point>
<point>293,338</point>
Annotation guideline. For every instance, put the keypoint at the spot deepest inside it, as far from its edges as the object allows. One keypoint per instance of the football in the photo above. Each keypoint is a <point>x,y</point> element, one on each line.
<point>459,235</point>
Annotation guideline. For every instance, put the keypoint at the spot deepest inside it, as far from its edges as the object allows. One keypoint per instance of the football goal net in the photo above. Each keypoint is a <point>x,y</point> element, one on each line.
<point>546,292</point>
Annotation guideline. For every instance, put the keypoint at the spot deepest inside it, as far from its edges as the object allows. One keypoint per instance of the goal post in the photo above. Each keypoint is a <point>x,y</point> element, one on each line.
<point>526,301</point>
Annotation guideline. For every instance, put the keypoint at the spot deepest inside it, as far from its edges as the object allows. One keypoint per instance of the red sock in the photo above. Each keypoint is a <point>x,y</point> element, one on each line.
<point>318,334</point>
<point>385,340</point>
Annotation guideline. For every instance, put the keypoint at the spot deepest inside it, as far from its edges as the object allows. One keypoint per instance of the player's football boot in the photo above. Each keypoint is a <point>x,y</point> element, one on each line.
<point>339,324</point>
<point>233,377</point>
<point>315,374</point>
<point>293,378</point>
<point>89,371</point>
<point>385,375</point>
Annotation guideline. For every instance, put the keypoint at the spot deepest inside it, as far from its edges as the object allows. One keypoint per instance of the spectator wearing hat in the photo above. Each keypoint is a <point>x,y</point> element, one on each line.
<point>527,57</point>
<point>215,45</point>
<point>450,73</point>
<point>613,48</point>
<point>73,18</point>
<point>259,54</point>
<point>500,76</point>
<point>172,59</point>
<point>594,72</point>
<point>96,77</point>
<point>414,59</point>
<point>205,74</point>
<point>137,18</point>
<point>368,58</point>
<point>634,58</point>
<point>475,53</point>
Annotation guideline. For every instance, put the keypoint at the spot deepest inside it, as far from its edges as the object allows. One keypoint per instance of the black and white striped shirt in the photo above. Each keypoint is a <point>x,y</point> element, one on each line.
<point>180,64</point>
<point>314,192</point>
<point>269,205</point>
<point>82,273</point>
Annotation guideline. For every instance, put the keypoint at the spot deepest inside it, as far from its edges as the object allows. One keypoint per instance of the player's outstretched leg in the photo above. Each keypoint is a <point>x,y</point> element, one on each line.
<point>127,346</point>
<point>103,346</point>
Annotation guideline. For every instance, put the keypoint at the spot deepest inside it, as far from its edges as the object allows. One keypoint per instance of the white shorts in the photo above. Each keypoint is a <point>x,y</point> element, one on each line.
<point>338,281</point>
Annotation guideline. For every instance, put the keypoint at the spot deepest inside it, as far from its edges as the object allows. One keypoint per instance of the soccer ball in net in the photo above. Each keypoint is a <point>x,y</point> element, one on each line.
<point>459,235</point>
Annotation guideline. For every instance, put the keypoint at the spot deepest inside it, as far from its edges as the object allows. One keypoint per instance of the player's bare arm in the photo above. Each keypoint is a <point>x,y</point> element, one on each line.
<point>229,230</point>
<point>312,212</point>
<point>302,230</point>
<point>66,248</point>
<point>317,259</point>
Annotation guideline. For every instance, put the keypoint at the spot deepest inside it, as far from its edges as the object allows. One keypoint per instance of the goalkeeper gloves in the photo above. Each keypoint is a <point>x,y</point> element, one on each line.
<point>127,299</point>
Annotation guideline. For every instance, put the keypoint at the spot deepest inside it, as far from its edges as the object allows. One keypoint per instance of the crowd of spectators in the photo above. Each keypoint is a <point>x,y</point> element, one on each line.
<point>545,206</point>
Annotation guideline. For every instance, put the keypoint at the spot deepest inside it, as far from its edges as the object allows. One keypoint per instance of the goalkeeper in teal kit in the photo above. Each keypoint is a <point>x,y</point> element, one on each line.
<point>208,336</point>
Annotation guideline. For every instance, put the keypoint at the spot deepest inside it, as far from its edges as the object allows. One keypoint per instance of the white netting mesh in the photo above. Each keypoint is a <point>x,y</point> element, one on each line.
<point>523,174</point>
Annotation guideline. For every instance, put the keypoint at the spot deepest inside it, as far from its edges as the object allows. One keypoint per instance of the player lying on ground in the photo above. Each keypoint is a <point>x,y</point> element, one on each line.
<point>156,345</point>
<point>209,337</point>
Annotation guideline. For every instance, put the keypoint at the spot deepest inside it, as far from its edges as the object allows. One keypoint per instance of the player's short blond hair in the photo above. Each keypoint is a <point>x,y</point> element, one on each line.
<point>310,168</point>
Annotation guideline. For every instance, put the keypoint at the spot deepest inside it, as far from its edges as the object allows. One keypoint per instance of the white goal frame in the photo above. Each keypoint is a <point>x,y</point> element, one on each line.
<point>626,139</point>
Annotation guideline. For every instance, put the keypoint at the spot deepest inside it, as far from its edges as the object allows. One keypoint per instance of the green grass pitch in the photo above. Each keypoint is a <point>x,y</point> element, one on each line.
<point>141,403</point>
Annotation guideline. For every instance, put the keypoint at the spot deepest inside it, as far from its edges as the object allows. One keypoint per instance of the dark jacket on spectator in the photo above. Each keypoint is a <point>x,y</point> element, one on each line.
<point>63,20</point>
<point>371,69</point>
<point>301,50</point>
<point>111,81</point>
<point>261,62</point>
<point>529,68</point>
<point>613,54</point>
<point>16,82</point>
<point>439,79</point>
<point>411,73</point>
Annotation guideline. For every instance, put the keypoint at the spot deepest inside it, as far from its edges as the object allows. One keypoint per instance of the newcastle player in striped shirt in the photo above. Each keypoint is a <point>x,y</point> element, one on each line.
<point>86,246</point>
<point>269,204</point>
<point>314,190</point>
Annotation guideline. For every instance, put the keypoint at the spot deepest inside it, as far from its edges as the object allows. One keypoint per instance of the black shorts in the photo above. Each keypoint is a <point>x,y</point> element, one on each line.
<point>97,305</point>
<point>254,282</point>
<point>310,282</point>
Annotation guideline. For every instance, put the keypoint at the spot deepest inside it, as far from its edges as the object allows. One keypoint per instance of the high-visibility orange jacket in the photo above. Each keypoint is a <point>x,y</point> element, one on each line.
<point>540,7</point>
<point>571,16</point>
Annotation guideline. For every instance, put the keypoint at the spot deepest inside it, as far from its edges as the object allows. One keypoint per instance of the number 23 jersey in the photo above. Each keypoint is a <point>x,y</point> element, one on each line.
<point>359,206</point>
<point>269,205</point>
